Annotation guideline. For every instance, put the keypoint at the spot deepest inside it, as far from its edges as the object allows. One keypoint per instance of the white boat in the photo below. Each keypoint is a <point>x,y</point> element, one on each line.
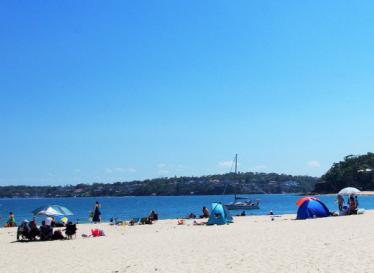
<point>242,203</point>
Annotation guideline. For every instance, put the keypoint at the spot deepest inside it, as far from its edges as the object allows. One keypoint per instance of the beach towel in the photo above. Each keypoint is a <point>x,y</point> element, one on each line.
<point>97,232</point>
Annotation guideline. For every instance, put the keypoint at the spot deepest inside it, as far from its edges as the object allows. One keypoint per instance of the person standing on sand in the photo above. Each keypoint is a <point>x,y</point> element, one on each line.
<point>340,202</point>
<point>352,205</point>
<point>97,213</point>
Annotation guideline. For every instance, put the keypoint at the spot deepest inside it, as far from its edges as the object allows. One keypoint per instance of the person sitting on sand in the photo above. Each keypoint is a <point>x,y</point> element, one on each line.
<point>145,221</point>
<point>191,216</point>
<point>241,214</point>
<point>352,205</point>
<point>340,202</point>
<point>48,221</point>
<point>153,216</point>
<point>115,221</point>
<point>11,220</point>
<point>205,213</point>
<point>57,235</point>
<point>46,230</point>
<point>34,231</point>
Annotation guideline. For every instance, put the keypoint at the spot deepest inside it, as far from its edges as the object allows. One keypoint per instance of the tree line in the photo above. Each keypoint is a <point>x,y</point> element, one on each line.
<point>353,171</point>
<point>230,183</point>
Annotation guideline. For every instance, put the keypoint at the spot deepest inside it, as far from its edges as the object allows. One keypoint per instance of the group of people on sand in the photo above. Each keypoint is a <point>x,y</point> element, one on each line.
<point>50,229</point>
<point>148,220</point>
<point>29,230</point>
<point>95,217</point>
<point>350,208</point>
<point>205,214</point>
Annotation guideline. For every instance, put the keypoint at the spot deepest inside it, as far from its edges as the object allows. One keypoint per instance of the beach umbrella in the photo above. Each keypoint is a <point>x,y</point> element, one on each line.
<point>65,211</point>
<point>52,210</point>
<point>348,191</point>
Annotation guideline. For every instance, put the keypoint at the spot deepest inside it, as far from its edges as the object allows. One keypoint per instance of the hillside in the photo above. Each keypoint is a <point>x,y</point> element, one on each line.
<point>355,171</point>
<point>205,185</point>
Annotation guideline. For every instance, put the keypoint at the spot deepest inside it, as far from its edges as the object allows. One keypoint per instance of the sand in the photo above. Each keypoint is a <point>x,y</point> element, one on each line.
<point>369,193</point>
<point>362,193</point>
<point>251,244</point>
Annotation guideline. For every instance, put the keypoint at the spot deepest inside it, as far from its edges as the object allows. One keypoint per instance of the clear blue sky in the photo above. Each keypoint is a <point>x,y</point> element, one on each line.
<point>120,90</point>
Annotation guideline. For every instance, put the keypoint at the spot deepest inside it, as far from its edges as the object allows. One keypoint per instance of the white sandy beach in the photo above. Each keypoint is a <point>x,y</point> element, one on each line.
<point>251,244</point>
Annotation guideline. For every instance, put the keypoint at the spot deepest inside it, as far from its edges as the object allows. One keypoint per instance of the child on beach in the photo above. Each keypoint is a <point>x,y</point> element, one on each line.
<point>11,220</point>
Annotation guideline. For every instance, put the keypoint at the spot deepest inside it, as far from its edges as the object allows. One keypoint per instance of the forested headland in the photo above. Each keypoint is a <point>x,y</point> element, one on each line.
<point>354,171</point>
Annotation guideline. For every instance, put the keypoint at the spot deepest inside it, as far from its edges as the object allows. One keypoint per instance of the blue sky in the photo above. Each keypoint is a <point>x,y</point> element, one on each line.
<point>120,90</point>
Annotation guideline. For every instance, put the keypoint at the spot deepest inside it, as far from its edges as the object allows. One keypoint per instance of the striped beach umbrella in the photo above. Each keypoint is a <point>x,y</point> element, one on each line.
<point>52,210</point>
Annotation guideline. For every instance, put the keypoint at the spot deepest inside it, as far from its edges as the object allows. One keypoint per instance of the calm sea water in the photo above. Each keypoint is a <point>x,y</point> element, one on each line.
<point>167,206</point>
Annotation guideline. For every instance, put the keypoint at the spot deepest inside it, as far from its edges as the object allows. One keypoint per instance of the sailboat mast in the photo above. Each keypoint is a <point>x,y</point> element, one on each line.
<point>236,163</point>
<point>236,171</point>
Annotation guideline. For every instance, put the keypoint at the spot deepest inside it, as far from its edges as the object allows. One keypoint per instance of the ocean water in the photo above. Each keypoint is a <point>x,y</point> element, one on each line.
<point>168,207</point>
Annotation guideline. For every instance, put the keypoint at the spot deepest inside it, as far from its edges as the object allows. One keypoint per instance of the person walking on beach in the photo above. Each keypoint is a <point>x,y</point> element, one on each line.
<point>97,213</point>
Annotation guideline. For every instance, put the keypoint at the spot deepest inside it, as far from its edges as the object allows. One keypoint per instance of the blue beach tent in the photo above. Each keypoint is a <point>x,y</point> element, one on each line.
<point>219,215</point>
<point>310,207</point>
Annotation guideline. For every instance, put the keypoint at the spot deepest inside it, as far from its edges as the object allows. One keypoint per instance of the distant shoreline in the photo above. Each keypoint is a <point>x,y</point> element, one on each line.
<point>362,193</point>
<point>132,196</point>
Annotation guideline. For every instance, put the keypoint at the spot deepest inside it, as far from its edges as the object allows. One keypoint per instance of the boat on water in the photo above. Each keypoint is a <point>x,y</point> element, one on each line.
<point>242,203</point>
